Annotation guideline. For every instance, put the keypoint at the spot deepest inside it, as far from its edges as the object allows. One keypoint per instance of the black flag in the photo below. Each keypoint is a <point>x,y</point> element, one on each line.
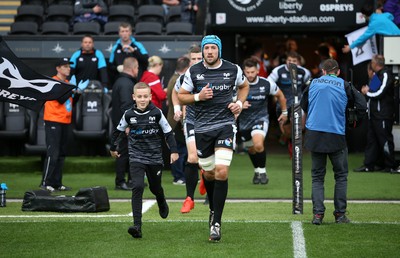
<point>20,85</point>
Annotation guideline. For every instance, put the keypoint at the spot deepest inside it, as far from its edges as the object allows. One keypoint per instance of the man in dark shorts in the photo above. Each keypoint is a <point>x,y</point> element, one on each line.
<point>211,86</point>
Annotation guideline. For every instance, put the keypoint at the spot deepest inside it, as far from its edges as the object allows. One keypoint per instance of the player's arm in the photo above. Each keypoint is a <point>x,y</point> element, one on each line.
<point>282,101</point>
<point>169,138</point>
<point>176,104</point>
<point>243,91</point>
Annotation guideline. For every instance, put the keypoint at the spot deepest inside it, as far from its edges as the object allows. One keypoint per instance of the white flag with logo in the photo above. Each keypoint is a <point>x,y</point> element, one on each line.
<point>365,51</point>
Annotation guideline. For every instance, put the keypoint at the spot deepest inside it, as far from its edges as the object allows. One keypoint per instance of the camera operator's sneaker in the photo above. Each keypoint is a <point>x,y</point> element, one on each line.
<point>363,169</point>
<point>215,233</point>
<point>256,178</point>
<point>264,178</point>
<point>135,231</point>
<point>317,219</point>
<point>340,217</point>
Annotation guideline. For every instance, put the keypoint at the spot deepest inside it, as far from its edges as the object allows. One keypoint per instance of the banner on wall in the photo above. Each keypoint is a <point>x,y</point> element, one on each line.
<point>333,14</point>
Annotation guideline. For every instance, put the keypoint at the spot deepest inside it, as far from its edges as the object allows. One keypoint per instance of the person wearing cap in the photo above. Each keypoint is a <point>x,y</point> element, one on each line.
<point>211,86</point>
<point>57,119</point>
<point>325,101</point>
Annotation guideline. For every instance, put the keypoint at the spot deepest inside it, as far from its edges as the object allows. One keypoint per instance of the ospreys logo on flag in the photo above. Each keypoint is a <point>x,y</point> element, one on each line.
<point>20,85</point>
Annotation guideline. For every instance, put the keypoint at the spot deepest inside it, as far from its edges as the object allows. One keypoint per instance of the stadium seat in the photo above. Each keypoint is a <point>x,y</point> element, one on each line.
<point>148,28</point>
<point>179,28</point>
<point>121,13</point>
<point>44,3</point>
<point>32,13</point>
<point>67,2</point>
<point>111,28</point>
<point>13,122</point>
<point>82,28</point>
<point>60,13</point>
<point>174,14</point>
<point>92,121</point>
<point>151,13</point>
<point>55,28</point>
<point>134,3</point>
<point>36,144</point>
<point>24,28</point>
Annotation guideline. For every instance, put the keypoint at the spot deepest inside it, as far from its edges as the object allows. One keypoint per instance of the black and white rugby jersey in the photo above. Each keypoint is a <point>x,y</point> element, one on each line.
<point>281,76</point>
<point>259,91</point>
<point>213,113</point>
<point>146,132</point>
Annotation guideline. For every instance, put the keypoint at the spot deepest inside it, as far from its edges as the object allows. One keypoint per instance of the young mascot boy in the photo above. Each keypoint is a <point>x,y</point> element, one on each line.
<point>146,125</point>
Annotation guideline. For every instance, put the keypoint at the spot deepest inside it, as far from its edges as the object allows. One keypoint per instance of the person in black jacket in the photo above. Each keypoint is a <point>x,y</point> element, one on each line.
<point>147,128</point>
<point>89,63</point>
<point>380,94</point>
<point>122,101</point>
<point>127,46</point>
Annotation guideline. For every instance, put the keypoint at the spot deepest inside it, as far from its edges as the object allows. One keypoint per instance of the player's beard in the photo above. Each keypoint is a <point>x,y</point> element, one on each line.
<point>213,61</point>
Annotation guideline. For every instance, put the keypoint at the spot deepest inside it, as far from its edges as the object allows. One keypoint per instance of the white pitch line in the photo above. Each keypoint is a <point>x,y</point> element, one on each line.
<point>299,243</point>
<point>146,206</point>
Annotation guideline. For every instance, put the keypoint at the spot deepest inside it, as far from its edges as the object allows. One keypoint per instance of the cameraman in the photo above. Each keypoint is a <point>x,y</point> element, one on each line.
<point>325,101</point>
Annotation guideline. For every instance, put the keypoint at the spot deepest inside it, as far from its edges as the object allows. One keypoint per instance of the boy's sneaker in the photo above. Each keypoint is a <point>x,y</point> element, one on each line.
<point>163,209</point>
<point>135,231</point>
<point>48,188</point>
<point>256,178</point>
<point>215,233</point>
<point>341,217</point>
<point>188,205</point>
<point>317,219</point>
<point>202,187</point>
<point>264,178</point>
<point>64,188</point>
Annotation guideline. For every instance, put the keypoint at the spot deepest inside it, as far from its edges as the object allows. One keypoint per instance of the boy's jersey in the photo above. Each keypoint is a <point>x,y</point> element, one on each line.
<point>259,91</point>
<point>146,132</point>
<point>213,113</point>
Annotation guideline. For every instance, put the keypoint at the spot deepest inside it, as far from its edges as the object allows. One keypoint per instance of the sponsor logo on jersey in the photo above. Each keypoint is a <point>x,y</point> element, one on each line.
<point>228,142</point>
<point>141,131</point>
<point>200,76</point>
<point>133,120</point>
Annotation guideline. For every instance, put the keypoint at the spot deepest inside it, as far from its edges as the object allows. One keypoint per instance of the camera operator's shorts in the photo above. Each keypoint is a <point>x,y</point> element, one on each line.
<point>224,137</point>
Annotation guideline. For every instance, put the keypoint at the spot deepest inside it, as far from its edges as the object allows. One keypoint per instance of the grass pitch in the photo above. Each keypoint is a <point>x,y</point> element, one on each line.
<point>258,223</point>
